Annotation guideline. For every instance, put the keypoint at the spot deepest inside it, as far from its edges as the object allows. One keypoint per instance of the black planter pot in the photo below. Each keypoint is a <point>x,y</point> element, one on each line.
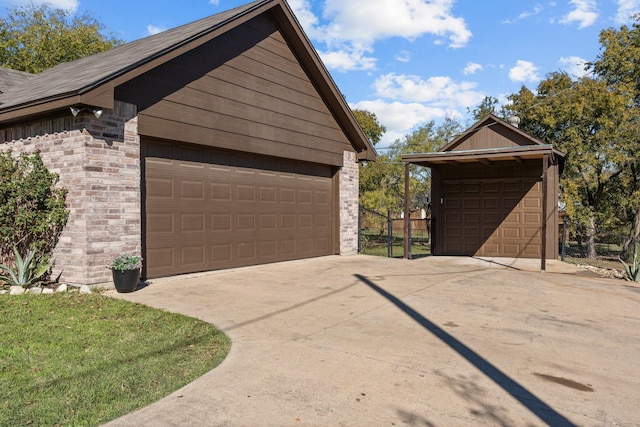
<point>126,281</point>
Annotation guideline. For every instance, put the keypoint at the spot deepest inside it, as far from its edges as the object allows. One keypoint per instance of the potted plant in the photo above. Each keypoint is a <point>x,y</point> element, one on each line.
<point>126,272</point>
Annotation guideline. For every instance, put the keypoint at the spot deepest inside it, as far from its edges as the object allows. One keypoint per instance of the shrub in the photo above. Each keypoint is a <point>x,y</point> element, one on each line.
<point>632,270</point>
<point>28,271</point>
<point>33,212</point>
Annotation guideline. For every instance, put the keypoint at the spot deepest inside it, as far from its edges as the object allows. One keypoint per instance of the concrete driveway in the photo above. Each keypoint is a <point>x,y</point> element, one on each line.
<point>439,341</point>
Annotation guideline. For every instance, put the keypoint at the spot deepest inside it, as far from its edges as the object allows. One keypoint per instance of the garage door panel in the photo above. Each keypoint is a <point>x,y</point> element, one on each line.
<point>160,223</point>
<point>160,188</point>
<point>221,254</point>
<point>221,213</point>
<point>192,255</point>
<point>160,259</point>
<point>495,218</point>
<point>532,250</point>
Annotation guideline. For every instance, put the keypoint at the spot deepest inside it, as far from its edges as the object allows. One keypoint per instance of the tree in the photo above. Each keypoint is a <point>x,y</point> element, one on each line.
<point>35,38</point>
<point>584,119</point>
<point>369,123</point>
<point>619,66</point>
<point>487,106</point>
<point>382,182</point>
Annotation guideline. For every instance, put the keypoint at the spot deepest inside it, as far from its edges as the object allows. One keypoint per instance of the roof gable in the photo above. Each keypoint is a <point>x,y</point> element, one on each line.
<point>92,80</point>
<point>491,132</point>
<point>489,139</point>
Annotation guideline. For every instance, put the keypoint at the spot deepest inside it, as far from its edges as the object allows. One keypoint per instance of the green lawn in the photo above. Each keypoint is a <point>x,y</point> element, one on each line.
<point>84,359</point>
<point>417,250</point>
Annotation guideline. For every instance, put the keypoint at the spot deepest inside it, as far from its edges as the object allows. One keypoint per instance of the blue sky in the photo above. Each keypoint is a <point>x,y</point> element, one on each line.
<point>410,61</point>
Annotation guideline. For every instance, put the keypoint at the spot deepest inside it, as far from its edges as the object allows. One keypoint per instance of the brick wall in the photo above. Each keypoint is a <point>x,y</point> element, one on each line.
<point>349,189</point>
<point>98,161</point>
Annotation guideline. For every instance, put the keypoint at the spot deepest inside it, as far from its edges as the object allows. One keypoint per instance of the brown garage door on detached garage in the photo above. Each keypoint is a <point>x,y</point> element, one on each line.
<point>209,209</point>
<point>492,218</point>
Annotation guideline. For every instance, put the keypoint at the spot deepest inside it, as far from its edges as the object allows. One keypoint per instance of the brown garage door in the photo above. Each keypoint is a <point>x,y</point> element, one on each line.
<point>208,209</point>
<point>494,218</point>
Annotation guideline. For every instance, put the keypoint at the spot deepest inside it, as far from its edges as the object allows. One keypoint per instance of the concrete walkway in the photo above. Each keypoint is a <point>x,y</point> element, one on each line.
<point>439,341</point>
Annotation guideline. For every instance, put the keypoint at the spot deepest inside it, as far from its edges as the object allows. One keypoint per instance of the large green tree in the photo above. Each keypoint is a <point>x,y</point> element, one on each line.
<point>584,119</point>
<point>619,66</point>
<point>35,38</point>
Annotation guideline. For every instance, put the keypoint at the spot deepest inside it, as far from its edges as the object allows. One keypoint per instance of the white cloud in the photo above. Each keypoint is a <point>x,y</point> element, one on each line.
<point>349,28</point>
<point>401,118</point>
<point>441,92</point>
<point>524,71</point>
<point>348,59</point>
<point>584,13</point>
<point>524,15</point>
<point>68,5</point>
<point>403,56</point>
<point>152,29</point>
<point>371,20</point>
<point>574,65</point>
<point>407,101</point>
<point>472,68</point>
<point>626,9</point>
<point>214,2</point>
<point>304,15</point>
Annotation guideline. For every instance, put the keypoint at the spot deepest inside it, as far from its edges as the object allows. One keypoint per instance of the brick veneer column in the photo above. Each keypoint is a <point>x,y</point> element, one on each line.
<point>98,161</point>
<point>349,189</point>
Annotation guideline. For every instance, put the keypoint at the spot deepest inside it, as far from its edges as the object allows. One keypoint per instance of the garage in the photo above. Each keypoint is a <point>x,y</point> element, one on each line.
<point>210,209</point>
<point>221,143</point>
<point>494,193</point>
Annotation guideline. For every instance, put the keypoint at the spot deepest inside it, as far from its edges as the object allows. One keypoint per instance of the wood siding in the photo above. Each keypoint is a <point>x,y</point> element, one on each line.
<point>244,91</point>
<point>492,136</point>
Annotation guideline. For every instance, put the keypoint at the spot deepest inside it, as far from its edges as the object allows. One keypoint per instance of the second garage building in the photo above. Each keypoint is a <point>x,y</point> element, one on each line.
<point>494,193</point>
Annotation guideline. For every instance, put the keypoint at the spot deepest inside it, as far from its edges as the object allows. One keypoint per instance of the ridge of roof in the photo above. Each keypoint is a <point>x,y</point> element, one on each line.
<point>84,74</point>
<point>10,77</point>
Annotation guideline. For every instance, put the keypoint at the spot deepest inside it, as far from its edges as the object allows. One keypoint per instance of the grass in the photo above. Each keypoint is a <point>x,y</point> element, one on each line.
<point>377,249</point>
<point>85,359</point>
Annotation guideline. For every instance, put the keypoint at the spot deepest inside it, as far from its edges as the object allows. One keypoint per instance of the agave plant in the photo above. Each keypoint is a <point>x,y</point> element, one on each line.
<point>632,271</point>
<point>28,270</point>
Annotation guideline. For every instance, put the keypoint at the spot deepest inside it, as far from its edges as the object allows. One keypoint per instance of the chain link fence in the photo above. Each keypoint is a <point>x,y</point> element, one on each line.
<point>606,251</point>
<point>381,234</point>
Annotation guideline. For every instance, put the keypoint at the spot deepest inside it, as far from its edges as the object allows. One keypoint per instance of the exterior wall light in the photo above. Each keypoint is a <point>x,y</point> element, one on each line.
<point>97,112</point>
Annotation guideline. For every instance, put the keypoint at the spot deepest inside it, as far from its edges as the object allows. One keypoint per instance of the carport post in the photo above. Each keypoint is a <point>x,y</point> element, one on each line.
<point>407,219</point>
<point>545,185</point>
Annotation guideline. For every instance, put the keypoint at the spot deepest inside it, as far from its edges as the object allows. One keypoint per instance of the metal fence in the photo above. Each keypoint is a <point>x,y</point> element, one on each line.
<point>382,234</point>
<point>609,247</point>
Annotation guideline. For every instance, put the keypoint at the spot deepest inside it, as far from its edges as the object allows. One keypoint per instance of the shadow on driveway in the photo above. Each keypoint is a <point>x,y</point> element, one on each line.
<point>538,407</point>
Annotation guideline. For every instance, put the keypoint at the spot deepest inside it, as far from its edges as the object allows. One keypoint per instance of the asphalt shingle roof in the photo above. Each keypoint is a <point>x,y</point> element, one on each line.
<point>79,76</point>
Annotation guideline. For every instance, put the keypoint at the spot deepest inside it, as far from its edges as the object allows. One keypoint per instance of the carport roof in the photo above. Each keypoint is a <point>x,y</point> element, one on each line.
<point>486,156</point>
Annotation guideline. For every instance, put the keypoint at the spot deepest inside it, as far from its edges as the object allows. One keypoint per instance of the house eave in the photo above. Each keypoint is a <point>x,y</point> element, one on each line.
<point>484,156</point>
